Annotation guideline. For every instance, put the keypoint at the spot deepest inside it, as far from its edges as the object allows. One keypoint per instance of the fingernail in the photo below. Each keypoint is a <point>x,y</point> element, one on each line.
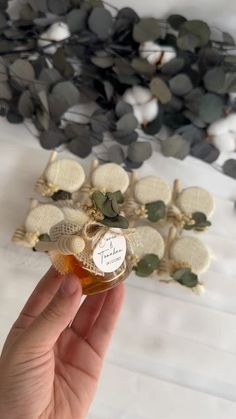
<point>69,285</point>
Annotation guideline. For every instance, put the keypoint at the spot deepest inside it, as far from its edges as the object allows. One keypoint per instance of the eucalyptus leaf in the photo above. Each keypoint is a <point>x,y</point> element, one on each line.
<point>160,90</point>
<point>188,279</point>
<point>127,123</point>
<point>50,76</point>
<point>214,80</point>
<point>52,138</point>
<point>122,108</point>
<point>22,72</point>
<point>3,70</point>
<point>5,91</point>
<point>188,42</point>
<point>153,260</point>
<point>100,22</point>
<point>76,20</point>
<point>58,7</point>
<point>205,151</point>
<point>176,21</point>
<point>156,211</point>
<point>109,209</point>
<point>103,62</point>
<point>125,139</point>
<point>99,122</point>
<point>25,105</point>
<point>143,268</point>
<point>173,67</point>
<point>14,117</point>
<point>229,168</point>
<point>68,91</point>
<point>175,146</point>
<point>99,199</point>
<point>179,274</point>
<point>80,146</point>
<point>197,28</point>
<point>141,65</point>
<point>116,222</point>
<point>181,85</point>
<point>211,108</point>
<point>3,21</point>
<point>154,126</point>
<point>116,154</point>
<point>139,152</point>
<point>148,29</point>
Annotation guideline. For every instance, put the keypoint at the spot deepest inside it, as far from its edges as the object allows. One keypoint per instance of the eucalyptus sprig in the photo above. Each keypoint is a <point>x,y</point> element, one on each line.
<point>200,222</point>
<point>187,79</point>
<point>186,277</point>
<point>108,204</point>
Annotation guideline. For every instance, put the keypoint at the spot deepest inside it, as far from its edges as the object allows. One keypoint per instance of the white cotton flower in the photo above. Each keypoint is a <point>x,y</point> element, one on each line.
<point>58,31</point>
<point>145,107</point>
<point>223,133</point>
<point>225,142</point>
<point>156,54</point>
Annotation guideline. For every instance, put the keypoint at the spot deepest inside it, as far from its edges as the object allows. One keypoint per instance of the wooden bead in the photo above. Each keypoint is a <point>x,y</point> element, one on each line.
<point>151,189</point>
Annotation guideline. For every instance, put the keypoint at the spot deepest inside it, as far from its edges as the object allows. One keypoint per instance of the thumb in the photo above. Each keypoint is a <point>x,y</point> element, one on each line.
<point>46,329</point>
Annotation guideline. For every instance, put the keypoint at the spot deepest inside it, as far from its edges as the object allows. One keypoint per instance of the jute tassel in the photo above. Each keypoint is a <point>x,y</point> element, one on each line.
<point>67,245</point>
<point>20,233</point>
<point>82,196</point>
<point>164,267</point>
<point>42,186</point>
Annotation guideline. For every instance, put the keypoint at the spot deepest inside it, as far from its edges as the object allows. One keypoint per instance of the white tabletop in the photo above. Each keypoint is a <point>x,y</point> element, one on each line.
<point>173,355</point>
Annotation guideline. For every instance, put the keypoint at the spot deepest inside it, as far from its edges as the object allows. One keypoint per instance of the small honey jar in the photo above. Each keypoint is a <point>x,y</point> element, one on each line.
<point>98,253</point>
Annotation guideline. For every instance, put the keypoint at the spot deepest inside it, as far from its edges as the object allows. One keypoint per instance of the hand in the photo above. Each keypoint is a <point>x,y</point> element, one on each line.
<point>47,368</point>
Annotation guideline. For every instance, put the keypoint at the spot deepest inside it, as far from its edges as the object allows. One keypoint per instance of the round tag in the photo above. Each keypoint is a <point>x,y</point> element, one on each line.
<point>109,254</point>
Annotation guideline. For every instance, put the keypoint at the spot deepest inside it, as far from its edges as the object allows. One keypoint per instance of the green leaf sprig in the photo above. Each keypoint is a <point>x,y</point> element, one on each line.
<point>200,222</point>
<point>108,204</point>
<point>156,211</point>
<point>186,277</point>
<point>147,265</point>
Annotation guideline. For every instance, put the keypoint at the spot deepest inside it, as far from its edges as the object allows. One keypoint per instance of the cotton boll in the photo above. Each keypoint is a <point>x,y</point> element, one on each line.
<point>58,31</point>
<point>138,113</point>
<point>141,94</point>
<point>224,142</point>
<point>150,110</point>
<point>151,51</point>
<point>168,55</point>
<point>129,98</point>
<point>231,121</point>
<point>219,127</point>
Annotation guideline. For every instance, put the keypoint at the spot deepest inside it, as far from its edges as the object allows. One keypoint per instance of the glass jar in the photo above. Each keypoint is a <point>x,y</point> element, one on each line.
<point>101,266</point>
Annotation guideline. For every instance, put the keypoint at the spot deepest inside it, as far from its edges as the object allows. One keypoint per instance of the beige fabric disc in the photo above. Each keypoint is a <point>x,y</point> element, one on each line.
<point>151,240</point>
<point>196,199</point>
<point>192,251</point>
<point>151,189</point>
<point>42,218</point>
<point>63,228</point>
<point>110,177</point>
<point>75,216</point>
<point>67,174</point>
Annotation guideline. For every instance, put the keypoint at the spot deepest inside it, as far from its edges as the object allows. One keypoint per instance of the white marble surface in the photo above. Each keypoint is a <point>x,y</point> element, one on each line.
<point>173,355</point>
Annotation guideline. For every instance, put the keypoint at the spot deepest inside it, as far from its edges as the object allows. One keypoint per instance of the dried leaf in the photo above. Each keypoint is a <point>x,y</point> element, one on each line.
<point>175,146</point>
<point>160,89</point>
<point>156,211</point>
<point>100,22</point>
<point>181,85</point>
<point>211,108</point>
<point>229,168</point>
<point>148,29</point>
<point>141,65</point>
<point>176,21</point>
<point>127,123</point>
<point>116,154</point>
<point>139,152</point>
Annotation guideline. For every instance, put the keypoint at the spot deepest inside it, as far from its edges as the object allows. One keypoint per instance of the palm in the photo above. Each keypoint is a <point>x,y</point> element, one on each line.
<point>60,381</point>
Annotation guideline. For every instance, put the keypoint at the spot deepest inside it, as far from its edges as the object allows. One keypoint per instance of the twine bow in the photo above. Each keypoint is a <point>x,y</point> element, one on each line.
<point>92,233</point>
